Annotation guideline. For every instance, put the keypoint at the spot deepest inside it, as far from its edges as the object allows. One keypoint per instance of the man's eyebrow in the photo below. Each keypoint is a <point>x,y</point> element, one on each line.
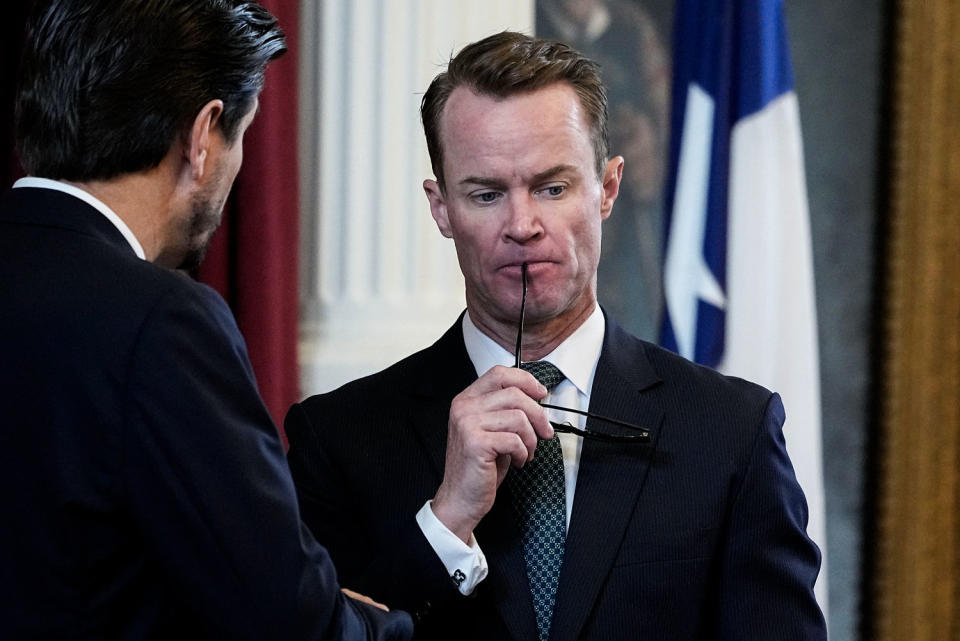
<point>483,182</point>
<point>553,172</point>
<point>495,183</point>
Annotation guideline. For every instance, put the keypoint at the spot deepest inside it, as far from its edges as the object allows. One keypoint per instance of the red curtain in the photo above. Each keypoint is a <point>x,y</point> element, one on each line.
<point>252,260</point>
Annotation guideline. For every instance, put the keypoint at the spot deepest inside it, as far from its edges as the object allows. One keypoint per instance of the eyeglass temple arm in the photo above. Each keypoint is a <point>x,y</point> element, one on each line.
<point>523,304</point>
<point>614,421</point>
<point>643,437</point>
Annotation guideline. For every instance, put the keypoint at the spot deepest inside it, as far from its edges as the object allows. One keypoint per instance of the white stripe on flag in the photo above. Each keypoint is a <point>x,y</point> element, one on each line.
<point>771,322</point>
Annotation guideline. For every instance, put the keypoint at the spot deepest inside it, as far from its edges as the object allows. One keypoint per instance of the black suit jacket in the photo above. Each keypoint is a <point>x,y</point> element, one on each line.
<point>698,535</point>
<point>144,487</point>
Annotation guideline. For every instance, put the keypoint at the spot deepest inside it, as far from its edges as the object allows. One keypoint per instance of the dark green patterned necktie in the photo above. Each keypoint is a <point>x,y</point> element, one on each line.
<point>540,508</point>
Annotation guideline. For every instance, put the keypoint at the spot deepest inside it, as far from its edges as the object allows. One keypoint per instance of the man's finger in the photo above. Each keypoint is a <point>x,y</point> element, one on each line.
<point>496,411</point>
<point>361,597</point>
<point>500,377</point>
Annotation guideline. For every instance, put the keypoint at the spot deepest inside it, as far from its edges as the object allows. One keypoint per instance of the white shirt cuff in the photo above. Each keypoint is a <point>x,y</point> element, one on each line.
<point>466,564</point>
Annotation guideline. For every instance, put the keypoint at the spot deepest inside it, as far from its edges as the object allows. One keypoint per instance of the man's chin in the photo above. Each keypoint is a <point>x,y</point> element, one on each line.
<point>187,260</point>
<point>194,256</point>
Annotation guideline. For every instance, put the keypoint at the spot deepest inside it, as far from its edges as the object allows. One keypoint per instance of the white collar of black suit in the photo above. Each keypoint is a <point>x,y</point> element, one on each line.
<point>90,199</point>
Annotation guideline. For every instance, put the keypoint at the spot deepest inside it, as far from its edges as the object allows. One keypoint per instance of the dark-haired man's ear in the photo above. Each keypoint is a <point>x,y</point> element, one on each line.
<point>198,145</point>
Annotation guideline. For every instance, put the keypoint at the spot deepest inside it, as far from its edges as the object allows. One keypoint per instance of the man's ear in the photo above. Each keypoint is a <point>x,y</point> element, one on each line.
<point>438,206</point>
<point>612,175</point>
<point>201,136</point>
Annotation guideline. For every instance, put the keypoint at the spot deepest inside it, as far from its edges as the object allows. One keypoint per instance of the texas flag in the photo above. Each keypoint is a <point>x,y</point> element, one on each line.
<point>738,270</point>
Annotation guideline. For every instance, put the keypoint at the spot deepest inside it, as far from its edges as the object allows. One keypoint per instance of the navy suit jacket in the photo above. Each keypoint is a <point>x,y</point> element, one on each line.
<point>698,535</point>
<point>144,486</point>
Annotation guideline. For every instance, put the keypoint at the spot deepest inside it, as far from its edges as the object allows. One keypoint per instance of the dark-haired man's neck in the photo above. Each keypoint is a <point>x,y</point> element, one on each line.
<point>142,200</point>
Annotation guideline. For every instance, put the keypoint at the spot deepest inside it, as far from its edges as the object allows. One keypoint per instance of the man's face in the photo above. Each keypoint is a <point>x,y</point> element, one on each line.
<point>521,186</point>
<point>194,229</point>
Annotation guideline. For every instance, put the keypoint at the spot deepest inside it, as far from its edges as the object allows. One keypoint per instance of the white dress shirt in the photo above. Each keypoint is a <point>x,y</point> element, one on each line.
<point>577,358</point>
<point>90,199</point>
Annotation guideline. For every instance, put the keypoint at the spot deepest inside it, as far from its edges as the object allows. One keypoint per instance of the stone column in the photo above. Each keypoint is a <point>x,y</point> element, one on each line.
<point>378,279</point>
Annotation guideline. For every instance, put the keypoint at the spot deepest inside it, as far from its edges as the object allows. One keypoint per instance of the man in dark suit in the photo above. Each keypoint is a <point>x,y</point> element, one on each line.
<point>439,484</point>
<point>145,489</point>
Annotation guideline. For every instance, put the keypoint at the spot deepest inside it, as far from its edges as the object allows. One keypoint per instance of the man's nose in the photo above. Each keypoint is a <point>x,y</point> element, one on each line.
<point>523,222</point>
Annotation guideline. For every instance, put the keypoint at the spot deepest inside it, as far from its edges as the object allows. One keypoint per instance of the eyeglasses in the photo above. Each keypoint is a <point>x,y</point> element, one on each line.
<point>643,435</point>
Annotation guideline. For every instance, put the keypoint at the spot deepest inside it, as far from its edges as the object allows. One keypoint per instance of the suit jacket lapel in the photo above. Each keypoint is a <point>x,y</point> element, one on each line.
<point>609,480</point>
<point>444,372</point>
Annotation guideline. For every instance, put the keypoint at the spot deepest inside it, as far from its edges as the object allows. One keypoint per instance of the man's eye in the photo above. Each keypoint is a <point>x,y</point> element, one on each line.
<point>486,197</point>
<point>555,190</point>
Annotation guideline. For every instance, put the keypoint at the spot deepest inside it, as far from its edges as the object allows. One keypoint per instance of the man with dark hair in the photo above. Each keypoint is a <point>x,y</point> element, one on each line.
<point>144,484</point>
<point>474,493</point>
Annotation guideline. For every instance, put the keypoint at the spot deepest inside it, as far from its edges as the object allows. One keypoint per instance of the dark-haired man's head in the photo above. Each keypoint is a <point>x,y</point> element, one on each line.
<point>111,88</point>
<point>108,85</point>
<point>510,63</point>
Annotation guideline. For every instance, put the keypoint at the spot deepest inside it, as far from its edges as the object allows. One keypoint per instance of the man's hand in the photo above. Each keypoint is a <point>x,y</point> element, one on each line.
<point>493,423</point>
<point>360,597</point>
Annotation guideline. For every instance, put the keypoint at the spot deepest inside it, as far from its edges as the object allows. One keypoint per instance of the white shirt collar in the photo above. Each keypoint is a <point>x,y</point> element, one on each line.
<point>576,357</point>
<point>90,199</point>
